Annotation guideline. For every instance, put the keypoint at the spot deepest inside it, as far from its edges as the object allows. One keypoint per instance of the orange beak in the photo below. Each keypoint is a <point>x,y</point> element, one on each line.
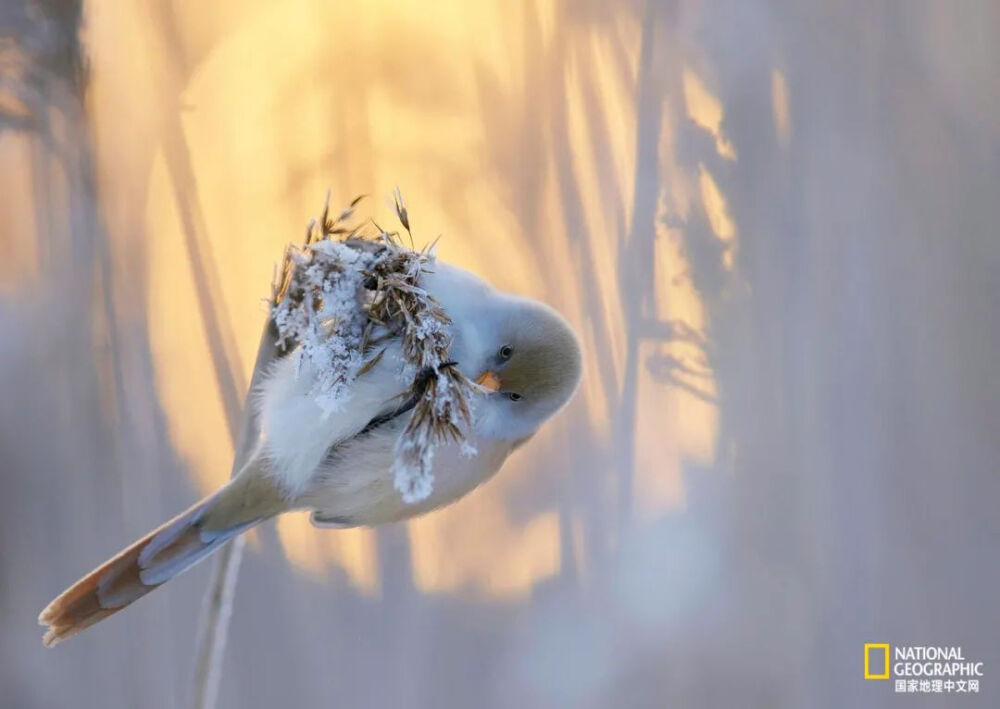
<point>489,380</point>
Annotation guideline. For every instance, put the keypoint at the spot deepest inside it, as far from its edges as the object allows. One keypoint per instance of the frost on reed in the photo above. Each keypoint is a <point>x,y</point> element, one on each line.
<point>339,298</point>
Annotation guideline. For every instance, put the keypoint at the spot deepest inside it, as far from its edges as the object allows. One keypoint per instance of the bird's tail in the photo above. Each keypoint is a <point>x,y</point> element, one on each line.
<point>159,556</point>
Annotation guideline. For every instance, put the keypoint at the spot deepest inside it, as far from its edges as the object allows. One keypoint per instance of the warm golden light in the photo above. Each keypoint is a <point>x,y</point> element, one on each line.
<point>18,255</point>
<point>705,109</point>
<point>779,103</point>
<point>351,550</point>
<point>238,151</point>
<point>718,213</point>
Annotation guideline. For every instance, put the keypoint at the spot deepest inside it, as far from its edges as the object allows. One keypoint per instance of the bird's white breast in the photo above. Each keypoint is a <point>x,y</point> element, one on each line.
<point>354,485</point>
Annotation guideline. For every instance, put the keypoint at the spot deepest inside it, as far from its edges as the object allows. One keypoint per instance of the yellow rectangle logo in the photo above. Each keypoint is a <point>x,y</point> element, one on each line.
<point>884,647</point>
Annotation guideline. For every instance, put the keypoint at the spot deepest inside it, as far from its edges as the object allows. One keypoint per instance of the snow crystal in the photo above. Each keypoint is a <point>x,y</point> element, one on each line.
<point>322,313</point>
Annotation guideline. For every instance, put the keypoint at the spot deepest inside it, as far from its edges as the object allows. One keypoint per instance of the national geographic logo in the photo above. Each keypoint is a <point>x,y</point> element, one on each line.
<point>930,669</point>
<point>880,652</point>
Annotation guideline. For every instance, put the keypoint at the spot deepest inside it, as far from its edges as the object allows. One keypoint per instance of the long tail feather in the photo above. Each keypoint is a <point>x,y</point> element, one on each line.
<point>157,558</point>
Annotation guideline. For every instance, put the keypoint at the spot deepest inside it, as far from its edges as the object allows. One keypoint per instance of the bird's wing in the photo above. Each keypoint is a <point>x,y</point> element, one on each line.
<point>268,352</point>
<point>296,435</point>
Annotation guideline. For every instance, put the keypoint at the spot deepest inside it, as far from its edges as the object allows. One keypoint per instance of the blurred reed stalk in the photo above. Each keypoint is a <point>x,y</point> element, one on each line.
<point>213,626</point>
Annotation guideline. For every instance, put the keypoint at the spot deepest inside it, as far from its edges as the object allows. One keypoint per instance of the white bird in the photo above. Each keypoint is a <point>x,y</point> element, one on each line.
<point>522,353</point>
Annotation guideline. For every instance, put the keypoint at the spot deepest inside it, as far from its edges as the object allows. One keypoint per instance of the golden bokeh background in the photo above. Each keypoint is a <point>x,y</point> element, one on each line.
<point>288,100</point>
<point>772,225</point>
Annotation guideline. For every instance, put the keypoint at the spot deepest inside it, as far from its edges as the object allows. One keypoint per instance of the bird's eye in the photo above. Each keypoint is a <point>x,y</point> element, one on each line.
<point>513,396</point>
<point>505,352</point>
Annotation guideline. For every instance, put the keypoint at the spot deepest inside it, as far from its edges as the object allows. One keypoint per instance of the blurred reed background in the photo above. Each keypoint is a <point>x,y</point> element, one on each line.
<point>773,224</point>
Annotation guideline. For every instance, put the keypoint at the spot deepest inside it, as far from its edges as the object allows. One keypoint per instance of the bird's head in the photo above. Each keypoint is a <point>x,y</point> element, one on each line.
<point>528,364</point>
<point>522,353</point>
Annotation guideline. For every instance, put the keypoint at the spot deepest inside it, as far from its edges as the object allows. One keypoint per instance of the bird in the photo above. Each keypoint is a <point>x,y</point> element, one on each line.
<point>525,358</point>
